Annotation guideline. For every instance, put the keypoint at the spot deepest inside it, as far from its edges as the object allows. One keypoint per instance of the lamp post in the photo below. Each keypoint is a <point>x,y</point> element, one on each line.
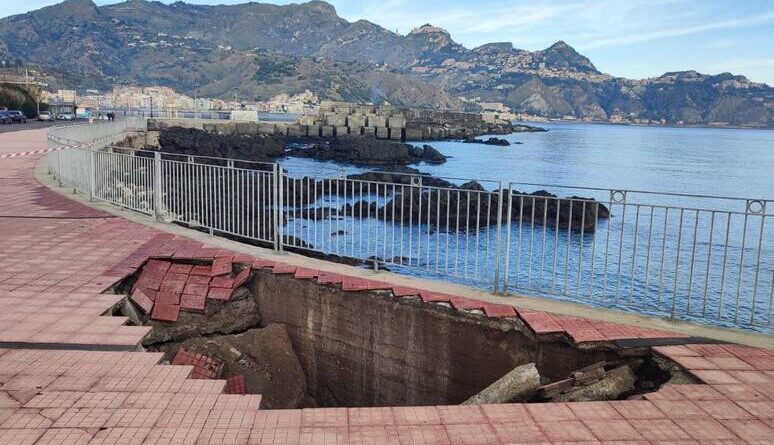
<point>196,100</point>
<point>151,107</point>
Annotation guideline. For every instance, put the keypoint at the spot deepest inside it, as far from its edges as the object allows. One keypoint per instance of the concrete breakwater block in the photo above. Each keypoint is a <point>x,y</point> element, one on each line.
<point>382,133</point>
<point>397,122</point>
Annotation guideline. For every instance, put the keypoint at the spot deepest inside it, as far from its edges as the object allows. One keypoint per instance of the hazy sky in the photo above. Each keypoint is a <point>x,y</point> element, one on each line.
<point>631,38</point>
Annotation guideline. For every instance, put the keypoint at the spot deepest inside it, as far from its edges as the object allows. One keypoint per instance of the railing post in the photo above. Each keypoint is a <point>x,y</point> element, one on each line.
<point>276,182</point>
<point>92,175</point>
<point>157,191</point>
<point>499,237</point>
<point>59,166</point>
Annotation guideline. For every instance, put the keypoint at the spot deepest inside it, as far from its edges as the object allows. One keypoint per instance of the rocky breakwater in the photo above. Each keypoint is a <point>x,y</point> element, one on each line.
<point>351,149</point>
<point>408,196</point>
<point>366,151</point>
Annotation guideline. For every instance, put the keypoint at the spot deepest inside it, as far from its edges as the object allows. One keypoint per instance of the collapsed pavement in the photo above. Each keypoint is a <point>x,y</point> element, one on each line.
<point>305,338</point>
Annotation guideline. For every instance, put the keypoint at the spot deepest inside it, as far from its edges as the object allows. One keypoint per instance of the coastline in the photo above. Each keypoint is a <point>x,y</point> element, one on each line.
<point>631,124</point>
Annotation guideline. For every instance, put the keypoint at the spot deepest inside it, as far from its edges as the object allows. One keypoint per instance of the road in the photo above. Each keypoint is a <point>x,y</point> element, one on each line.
<point>30,125</point>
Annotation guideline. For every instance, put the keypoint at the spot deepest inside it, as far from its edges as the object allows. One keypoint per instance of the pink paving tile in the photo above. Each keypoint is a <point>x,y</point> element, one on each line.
<point>221,266</point>
<point>609,430</point>
<point>242,277</point>
<point>324,417</point>
<point>520,432</point>
<point>594,411</point>
<point>194,303</point>
<point>202,270</point>
<point>461,303</point>
<point>659,429</point>
<point>740,392</point>
<point>714,376</point>
<point>506,412</point>
<point>540,322</point>
<point>471,433</point>
<point>65,436</point>
<point>371,417</point>
<point>455,414</point>
<point>195,289</point>
<point>402,291</point>
<point>430,297</point>
<point>725,410</point>
<point>760,410</point>
<point>165,312</point>
<point>281,268</point>
<point>142,300</point>
<point>282,418</point>
<point>329,278</point>
<point>698,392</point>
<point>275,436</point>
<point>751,430</point>
<point>543,412</point>
<point>202,280</point>
<point>416,415</point>
<point>704,429</point>
<point>220,293</point>
<point>679,409</point>
<point>567,430</point>
<point>174,285</point>
<point>423,435</point>
<point>303,273</point>
<point>499,310</point>
<point>259,263</point>
<point>180,268</point>
<point>637,409</point>
<point>324,435</point>
<point>16,436</point>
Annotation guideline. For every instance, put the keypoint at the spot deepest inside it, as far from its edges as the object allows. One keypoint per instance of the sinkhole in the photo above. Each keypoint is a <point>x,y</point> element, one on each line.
<point>300,343</point>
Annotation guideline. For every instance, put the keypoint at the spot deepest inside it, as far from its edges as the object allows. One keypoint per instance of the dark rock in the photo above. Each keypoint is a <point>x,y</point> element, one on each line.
<point>220,317</point>
<point>490,141</point>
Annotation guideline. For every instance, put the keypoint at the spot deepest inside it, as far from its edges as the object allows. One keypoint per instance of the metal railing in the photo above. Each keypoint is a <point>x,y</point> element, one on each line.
<point>694,257</point>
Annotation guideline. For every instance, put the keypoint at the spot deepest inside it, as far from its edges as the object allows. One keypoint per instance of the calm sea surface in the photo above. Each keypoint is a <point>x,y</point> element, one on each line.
<point>687,257</point>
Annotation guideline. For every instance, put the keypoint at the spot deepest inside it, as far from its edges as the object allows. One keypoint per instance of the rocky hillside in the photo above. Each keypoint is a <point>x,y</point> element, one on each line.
<point>264,49</point>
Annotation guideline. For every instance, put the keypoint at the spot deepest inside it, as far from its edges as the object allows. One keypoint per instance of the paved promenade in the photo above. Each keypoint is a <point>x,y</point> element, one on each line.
<point>71,375</point>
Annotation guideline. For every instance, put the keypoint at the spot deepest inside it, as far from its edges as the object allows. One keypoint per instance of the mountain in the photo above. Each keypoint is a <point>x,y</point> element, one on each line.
<point>264,49</point>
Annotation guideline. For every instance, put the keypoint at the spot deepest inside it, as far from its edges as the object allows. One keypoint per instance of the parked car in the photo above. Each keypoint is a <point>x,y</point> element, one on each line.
<point>17,116</point>
<point>5,118</point>
<point>66,116</point>
<point>44,116</point>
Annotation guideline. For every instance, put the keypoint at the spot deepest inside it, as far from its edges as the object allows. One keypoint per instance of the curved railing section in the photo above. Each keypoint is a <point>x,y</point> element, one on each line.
<point>708,259</point>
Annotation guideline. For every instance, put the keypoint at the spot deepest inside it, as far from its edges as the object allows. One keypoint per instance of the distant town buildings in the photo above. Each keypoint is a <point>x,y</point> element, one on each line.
<point>167,100</point>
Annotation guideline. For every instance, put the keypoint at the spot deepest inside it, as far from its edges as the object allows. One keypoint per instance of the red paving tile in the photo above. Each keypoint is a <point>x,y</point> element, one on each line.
<point>165,312</point>
<point>193,303</point>
<point>141,299</point>
<point>221,266</point>
<point>205,367</point>
<point>167,298</point>
<point>222,281</point>
<point>242,277</point>
<point>220,293</point>
<point>236,384</point>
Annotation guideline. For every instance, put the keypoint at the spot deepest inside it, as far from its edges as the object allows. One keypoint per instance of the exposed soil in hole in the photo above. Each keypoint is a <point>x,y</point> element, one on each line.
<point>302,344</point>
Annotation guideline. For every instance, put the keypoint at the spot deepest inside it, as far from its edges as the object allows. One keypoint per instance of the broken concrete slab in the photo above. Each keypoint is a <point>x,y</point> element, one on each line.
<point>519,384</point>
